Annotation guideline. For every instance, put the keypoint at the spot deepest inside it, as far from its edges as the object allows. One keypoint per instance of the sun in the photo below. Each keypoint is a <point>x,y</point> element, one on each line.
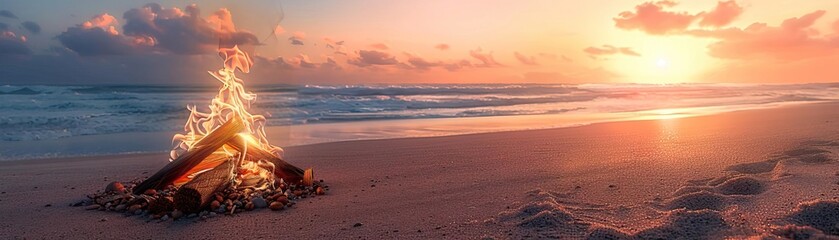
<point>662,63</point>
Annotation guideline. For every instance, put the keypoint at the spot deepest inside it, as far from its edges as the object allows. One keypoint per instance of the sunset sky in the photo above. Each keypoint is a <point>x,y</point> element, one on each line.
<point>350,42</point>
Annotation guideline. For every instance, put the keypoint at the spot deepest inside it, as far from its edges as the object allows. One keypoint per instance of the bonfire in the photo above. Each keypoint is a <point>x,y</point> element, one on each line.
<point>222,162</point>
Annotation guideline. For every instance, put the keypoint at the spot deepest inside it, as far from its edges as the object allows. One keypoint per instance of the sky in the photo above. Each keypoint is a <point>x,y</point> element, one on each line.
<point>394,42</point>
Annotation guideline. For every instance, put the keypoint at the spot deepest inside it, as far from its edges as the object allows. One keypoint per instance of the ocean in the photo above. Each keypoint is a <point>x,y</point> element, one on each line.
<point>64,120</point>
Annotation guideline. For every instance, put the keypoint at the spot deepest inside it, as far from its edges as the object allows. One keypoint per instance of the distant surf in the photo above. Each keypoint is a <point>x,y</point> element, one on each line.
<point>39,113</point>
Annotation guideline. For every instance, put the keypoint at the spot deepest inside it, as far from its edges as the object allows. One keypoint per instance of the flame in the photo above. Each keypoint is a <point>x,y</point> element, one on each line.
<point>232,101</point>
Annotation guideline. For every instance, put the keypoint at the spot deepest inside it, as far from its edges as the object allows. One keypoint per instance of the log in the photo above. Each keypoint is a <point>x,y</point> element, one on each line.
<point>196,194</point>
<point>203,148</point>
<point>282,169</point>
<point>161,205</point>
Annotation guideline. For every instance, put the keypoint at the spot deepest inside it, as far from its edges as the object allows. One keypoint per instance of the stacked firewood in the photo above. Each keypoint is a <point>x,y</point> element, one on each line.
<point>209,189</point>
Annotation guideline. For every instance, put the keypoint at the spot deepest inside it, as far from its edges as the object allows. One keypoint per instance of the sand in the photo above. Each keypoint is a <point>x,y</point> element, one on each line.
<point>765,173</point>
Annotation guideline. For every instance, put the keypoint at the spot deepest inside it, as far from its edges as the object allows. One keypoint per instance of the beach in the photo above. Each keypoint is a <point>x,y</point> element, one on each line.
<point>764,172</point>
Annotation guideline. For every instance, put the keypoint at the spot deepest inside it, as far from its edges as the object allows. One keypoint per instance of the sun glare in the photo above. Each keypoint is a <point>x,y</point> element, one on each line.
<point>662,63</point>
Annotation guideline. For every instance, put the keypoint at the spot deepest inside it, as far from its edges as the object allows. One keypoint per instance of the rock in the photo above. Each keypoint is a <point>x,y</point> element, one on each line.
<point>357,225</point>
<point>192,215</point>
<point>164,218</point>
<point>48,205</point>
<point>177,214</point>
<point>215,204</point>
<point>120,208</point>
<point>276,206</point>
<point>283,199</point>
<point>298,193</point>
<point>320,191</point>
<point>115,187</point>
<point>134,208</point>
<point>249,206</point>
<point>150,192</point>
<point>259,202</point>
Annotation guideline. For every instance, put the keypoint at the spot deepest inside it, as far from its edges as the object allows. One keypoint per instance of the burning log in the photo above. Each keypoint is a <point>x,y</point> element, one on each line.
<point>202,149</point>
<point>196,194</point>
<point>282,169</point>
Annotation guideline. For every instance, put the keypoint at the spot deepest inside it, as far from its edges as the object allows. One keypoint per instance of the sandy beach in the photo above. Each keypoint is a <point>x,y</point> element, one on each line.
<point>756,173</point>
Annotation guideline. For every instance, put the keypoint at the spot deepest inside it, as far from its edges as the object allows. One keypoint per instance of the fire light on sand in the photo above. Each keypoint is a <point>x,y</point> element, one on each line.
<point>223,163</point>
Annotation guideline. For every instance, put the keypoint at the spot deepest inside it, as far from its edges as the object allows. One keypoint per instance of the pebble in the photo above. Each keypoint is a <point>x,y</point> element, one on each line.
<point>164,218</point>
<point>259,202</point>
<point>319,191</point>
<point>177,214</point>
<point>120,207</point>
<point>150,192</point>
<point>276,206</point>
<point>357,225</point>
<point>115,187</point>
<point>192,215</point>
<point>134,208</point>
<point>215,204</point>
<point>48,205</point>
<point>282,199</point>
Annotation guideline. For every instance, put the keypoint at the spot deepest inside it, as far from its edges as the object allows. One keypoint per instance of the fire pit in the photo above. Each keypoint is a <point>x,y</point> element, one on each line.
<point>223,163</point>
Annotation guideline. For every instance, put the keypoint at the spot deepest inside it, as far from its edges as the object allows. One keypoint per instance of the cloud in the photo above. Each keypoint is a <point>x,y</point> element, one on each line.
<point>380,46</point>
<point>722,15</point>
<point>330,63</point>
<point>97,37</point>
<point>487,60</point>
<point>525,59</point>
<point>152,28</point>
<point>297,38</point>
<point>373,57</point>
<point>305,62</point>
<point>7,14</point>
<point>11,44</point>
<point>442,46</point>
<point>420,63</point>
<point>31,27</point>
<point>651,18</point>
<point>794,39</point>
<point>457,65</point>
<point>611,50</point>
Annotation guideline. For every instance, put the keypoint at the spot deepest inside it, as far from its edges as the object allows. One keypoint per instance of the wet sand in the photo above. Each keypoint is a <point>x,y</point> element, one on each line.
<point>768,172</point>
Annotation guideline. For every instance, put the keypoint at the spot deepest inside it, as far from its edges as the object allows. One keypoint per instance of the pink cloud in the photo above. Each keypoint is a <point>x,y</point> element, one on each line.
<point>152,28</point>
<point>442,46</point>
<point>525,59</point>
<point>794,39</point>
<point>373,57</point>
<point>722,15</point>
<point>651,18</point>
<point>487,60</point>
<point>380,46</point>
<point>611,50</point>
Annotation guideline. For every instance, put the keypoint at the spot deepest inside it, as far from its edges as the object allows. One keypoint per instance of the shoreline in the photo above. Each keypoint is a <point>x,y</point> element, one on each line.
<point>627,178</point>
<point>280,135</point>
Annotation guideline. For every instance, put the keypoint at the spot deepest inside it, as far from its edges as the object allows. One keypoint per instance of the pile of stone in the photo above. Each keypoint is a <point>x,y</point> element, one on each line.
<point>159,204</point>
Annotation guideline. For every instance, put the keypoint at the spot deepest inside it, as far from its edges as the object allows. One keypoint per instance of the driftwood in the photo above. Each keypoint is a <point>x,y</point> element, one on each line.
<point>282,169</point>
<point>161,205</point>
<point>198,192</point>
<point>203,148</point>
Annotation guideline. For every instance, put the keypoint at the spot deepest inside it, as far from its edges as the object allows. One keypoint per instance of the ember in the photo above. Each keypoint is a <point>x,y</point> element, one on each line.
<point>222,164</point>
